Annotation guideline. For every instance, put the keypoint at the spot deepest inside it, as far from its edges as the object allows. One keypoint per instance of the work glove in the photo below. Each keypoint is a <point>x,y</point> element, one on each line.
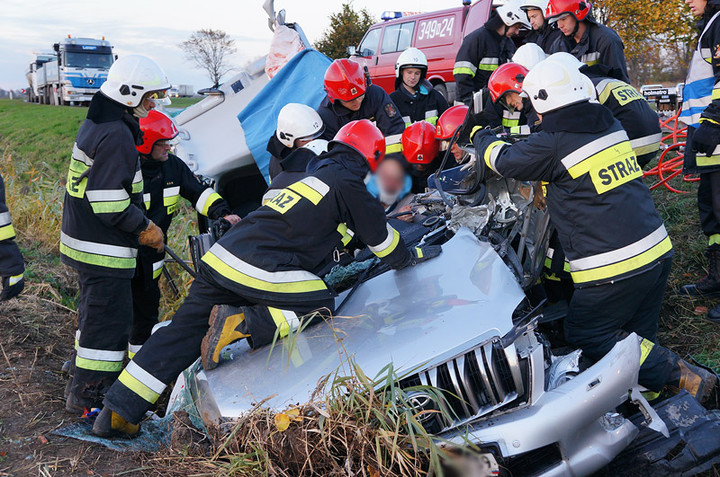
<point>220,226</point>
<point>11,291</point>
<point>706,138</point>
<point>421,254</point>
<point>152,237</point>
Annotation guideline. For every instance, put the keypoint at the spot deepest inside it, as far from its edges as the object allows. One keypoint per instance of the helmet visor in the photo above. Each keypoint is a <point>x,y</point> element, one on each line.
<point>159,97</point>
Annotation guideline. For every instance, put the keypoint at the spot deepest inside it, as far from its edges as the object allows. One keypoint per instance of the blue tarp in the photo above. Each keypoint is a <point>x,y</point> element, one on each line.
<point>299,81</point>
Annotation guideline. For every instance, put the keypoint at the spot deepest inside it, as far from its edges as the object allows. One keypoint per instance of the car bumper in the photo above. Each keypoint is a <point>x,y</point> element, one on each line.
<point>571,417</point>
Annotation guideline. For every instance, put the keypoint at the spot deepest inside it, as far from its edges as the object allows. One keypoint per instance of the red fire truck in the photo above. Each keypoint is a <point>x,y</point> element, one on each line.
<point>438,34</point>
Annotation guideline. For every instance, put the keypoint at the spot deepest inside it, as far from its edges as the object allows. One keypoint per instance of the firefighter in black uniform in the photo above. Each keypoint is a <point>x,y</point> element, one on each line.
<point>627,105</point>
<point>350,98</point>
<point>701,113</point>
<point>584,38</point>
<point>414,96</point>
<point>294,167</point>
<point>488,47</point>
<point>618,249</point>
<point>543,33</point>
<point>166,178</point>
<point>263,272</point>
<point>297,125</point>
<point>103,221</point>
<point>12,268</point>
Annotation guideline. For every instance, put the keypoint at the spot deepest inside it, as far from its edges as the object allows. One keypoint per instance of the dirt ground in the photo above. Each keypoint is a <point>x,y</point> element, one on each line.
<point>35,339</point>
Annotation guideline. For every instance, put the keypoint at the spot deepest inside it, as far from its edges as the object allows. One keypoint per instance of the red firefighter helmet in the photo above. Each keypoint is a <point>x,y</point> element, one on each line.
<point>155,127</point>
<point>365,138</point>
<point>450,121</point>
<point>508,77</point>
<point>344,80</point>
<point>580,9</point>
<point>419,144</point>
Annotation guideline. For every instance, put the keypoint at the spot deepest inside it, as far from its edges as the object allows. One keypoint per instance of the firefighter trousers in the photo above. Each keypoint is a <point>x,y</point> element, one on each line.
<point>146,303</point>
<point>173,348</point>
<point>709,203</point>
<point>104,319</point>
<point>602,315</point>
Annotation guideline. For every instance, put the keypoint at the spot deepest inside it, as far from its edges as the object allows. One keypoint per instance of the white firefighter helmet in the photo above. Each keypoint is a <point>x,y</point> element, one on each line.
<point>298,121</point>
<point>511,14</point>
<point>318,146</point>
<point>552,85</point>
<point>410,58</point>
<point>572,62</point>
<point>133,76</point>
<point>534,4</point>
<point>529,55</point>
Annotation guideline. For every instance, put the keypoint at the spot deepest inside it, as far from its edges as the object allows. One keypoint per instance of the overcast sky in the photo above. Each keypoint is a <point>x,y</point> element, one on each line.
<point>155,27</point>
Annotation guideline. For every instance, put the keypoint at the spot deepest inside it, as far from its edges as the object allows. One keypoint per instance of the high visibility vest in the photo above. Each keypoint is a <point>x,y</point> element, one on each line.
<point>700,88</point>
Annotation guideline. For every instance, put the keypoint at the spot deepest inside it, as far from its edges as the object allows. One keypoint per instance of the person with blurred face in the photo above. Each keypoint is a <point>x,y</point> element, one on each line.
<point>543,34</point>
<point>584,38</point>
<point>391,185</point>
<point>414,96</point>
<point>488,47</point>
<point>351,98</point>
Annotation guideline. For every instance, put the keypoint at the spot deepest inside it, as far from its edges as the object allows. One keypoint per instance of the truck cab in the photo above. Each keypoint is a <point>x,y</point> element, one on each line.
<point>438,34</point>
<point>83,64</point>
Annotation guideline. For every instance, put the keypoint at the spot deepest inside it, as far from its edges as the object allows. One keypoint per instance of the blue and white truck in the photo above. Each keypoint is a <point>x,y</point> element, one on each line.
<point>73,74</point>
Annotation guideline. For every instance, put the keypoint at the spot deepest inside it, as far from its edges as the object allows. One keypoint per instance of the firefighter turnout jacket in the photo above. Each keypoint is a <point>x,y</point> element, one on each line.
<point>278,151</point>
<point>604,215</point>
<point>165,182</point>
<point>103,212</point>
<point>290,170</point>
<point>630,108</point>
<point>480,53</point>
<point>599,44</point>
<point>376,106</point>
<point>11,261</point>
<point>427,104</point>
<point>545,37</point>
<point>272,256</point>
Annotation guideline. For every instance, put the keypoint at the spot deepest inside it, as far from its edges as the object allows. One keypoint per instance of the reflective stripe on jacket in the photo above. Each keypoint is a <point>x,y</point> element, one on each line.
<point>604,215</point>
<point>103,211</point>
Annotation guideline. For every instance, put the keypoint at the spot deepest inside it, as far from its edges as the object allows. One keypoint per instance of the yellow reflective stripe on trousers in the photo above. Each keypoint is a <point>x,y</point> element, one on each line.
<point>7,232</point>
<point>491,154</point>
<point>133,350</point>
<point>206,200</point>
<point>286,321</point>
<point>99,254</point>
<point>14,279</point>
<point>243,273</point>
<point>626,259</point>
<point>387,246</point>
<point>645,347</point>
<point>142,383</point>
<point>99,360</point>
<point>714,239</point>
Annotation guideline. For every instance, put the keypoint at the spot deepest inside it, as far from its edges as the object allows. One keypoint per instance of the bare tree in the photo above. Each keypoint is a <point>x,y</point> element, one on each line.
<point>209,49</point>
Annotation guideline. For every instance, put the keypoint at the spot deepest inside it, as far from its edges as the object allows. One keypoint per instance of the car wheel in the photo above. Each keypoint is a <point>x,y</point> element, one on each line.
<point>442,89</point>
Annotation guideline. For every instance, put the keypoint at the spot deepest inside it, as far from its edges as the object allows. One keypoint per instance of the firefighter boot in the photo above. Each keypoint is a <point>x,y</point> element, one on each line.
<point>695,380</point>
<point>714,314</point>
<point>226,326</point>
<point>110,424</point>
<point>710,285</point>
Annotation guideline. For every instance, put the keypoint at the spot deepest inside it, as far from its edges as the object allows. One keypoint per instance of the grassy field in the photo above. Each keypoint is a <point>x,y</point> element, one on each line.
<point>36,141</point>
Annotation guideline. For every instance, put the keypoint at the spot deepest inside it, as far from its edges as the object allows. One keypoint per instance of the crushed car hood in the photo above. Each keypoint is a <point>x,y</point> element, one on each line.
<point>411,318</point>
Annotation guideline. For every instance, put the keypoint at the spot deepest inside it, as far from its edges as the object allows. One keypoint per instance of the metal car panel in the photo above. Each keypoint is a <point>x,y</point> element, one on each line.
<point>414,317</point>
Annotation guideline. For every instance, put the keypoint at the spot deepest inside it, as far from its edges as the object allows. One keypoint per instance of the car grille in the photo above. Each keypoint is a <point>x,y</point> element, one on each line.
<point>475,383</point>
